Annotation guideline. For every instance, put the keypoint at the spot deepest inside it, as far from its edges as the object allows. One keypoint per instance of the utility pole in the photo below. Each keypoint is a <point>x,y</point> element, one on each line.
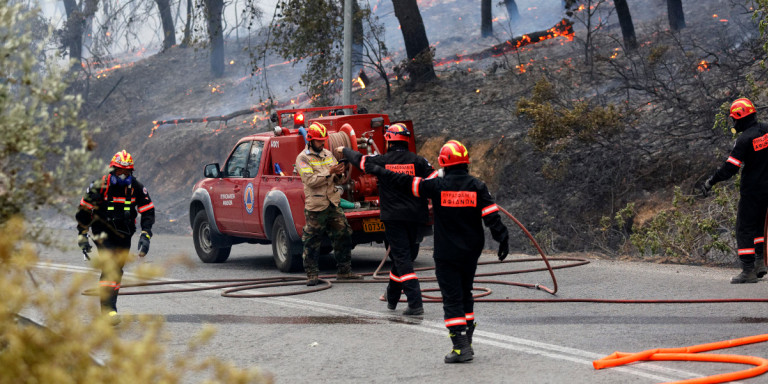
<point>347,68</point>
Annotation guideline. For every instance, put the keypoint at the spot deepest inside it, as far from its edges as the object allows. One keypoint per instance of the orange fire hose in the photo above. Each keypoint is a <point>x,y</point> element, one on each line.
<point>692,354</point>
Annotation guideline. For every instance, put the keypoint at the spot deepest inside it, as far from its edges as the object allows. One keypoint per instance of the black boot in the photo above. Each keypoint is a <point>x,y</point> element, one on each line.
<point>312,279</point>
<point>747,275</point>
<point>470,330</point>
<point>760,269</point>
<point>461,351</point>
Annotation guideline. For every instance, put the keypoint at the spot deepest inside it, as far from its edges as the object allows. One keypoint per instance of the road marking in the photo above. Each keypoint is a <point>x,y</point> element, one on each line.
<point>558,352</point>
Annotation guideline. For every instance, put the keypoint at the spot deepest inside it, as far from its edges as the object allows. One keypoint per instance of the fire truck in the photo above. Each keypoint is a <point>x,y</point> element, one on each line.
<point>257,197</point>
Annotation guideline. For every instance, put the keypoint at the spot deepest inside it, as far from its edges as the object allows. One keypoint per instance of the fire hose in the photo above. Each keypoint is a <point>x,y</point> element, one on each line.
<point>231,288</point>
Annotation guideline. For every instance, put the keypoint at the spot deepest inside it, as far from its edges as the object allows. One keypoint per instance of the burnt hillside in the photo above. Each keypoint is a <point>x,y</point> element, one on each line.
<point>625,126</point>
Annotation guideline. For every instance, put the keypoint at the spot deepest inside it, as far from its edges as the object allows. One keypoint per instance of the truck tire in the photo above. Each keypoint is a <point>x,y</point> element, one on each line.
<point>201,234</point>
<point>287,253</point>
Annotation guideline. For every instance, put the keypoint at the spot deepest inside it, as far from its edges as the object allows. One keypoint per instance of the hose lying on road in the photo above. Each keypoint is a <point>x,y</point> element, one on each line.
<point>692,354</point>
<point>235,287</point>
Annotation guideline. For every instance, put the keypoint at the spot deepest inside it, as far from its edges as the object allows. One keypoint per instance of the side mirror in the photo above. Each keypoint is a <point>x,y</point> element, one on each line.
<point>211,171</point>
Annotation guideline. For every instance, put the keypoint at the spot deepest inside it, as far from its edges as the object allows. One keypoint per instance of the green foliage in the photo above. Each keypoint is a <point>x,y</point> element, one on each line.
<point>44,147</point>
<point>63,352</point>
<point>691,230</point>
<point>557,122</point>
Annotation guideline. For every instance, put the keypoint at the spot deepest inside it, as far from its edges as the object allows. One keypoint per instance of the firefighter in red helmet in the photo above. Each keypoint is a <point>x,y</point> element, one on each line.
<point>320,174</point>
<point>462,204</point>
<point>109,209</point>
<point>403,214</point>
<point>750,155</point>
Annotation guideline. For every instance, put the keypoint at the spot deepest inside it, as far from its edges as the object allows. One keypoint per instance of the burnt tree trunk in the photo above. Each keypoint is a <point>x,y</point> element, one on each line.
<point>486,18</point>
<point>169,34</point>
<point>675,14</point>
<point>357,38</point>
<point>187,39</point>
<point>215,33</point>
<point>512,12</point>
<point>625,21</point>
<point>416,41</point>
<point>73,34</point>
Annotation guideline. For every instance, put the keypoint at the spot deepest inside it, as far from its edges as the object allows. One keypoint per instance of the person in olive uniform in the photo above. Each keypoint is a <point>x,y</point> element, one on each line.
<point>321,173</point>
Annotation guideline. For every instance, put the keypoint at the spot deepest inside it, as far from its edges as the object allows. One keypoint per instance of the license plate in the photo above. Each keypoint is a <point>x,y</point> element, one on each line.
<point>373,225</point>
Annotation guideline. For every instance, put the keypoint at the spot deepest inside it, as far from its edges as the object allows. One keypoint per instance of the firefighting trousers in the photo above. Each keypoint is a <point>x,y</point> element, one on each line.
<point>455,278</point>
<point>750,229</point>
<point>331,222</point>
<point>403,237</point>
<point>113,254</point>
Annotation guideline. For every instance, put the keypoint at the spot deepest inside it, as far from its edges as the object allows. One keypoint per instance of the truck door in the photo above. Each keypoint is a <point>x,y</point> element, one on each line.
<point>252,205</point>
<point>228,192</point>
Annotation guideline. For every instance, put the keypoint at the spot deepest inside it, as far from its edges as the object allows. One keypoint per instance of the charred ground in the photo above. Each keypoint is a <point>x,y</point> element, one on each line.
<point>561,183</point>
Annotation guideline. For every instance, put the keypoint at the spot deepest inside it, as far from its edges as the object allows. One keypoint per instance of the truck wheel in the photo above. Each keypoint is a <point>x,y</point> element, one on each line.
<point>287,253</point>
<point>201,234</point>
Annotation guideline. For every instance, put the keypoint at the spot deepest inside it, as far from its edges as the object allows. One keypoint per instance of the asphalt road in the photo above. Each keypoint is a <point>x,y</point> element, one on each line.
<point>346,335</point>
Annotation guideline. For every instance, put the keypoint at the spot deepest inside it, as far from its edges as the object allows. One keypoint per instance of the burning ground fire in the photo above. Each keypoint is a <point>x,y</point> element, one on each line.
<point>562,29</point>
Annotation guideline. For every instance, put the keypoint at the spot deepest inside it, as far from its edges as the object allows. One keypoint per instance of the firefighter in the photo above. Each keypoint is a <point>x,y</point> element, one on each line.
<point>461,205</point>
<point>750,153</point>
<point>320,174</point>
<point>109,209</point>
<point>402,213</point>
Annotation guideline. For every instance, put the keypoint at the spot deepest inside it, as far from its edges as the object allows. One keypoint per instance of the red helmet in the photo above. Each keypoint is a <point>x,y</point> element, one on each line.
<point>122,159</point>
<point>742,108</point>
<point>317,131</point>
<point>453,153</point>
<point>397,132</point>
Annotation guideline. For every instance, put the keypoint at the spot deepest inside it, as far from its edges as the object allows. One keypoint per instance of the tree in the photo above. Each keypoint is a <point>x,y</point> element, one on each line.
<point>213,11</point>
<point>298,33</point>
<point>625,21</point>
<point>45,147</point>
<point>675,14</point>
<point>169,34</point>
<point>512,12</point>
<point>72,34</point>
<point>486,18</point>
<point>420,66</point>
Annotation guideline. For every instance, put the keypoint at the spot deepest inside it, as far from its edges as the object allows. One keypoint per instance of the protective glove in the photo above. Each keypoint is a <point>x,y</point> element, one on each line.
<point>706,187</point>
<point>503,248</point>
<point>83,243</point>
<point>374,169</point>
<point>143,243</point>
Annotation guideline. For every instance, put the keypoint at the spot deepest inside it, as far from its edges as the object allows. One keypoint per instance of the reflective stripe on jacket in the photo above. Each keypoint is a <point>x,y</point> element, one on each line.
<point>319,184</point>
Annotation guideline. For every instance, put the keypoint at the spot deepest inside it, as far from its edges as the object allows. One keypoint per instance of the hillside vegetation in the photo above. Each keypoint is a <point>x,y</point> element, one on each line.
<point>596,155</point>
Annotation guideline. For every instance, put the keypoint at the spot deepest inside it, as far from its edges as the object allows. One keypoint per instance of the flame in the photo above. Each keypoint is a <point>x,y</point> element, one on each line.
<point>615,53</point>
<point>231,62</point>
<point>215,88</point>
<point>562,29</point>
<point>703,66</point>
<point>360,81</point>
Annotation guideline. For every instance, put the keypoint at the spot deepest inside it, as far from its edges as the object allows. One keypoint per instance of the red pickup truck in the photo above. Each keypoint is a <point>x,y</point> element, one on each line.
<point>258,197</point>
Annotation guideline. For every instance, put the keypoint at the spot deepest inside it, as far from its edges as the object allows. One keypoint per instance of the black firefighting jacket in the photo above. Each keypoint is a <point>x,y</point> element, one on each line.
<point>112,209</point>
<point>397,203</point>
<point>461,205</point>
<point>750,154</point>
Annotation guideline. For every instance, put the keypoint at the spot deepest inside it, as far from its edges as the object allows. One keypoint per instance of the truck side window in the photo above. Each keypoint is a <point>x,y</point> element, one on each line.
<point>255,158</point>
<point>236,163</point>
